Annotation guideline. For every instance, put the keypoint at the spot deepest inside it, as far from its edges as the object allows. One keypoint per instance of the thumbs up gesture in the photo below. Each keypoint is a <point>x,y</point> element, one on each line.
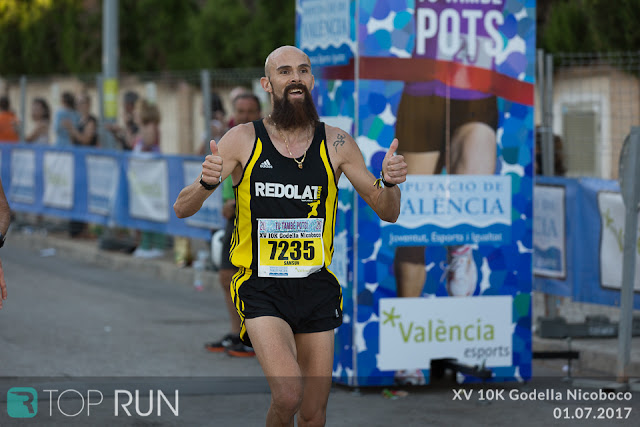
<point>394,168</point>
<point>212,166</point>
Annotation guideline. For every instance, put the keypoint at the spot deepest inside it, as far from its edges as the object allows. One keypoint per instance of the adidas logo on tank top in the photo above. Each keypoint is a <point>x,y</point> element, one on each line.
<point>266,164</point>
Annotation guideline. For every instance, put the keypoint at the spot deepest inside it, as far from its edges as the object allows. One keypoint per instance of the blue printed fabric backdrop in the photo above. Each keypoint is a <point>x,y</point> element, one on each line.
<point>422,51</point>
<point>394,29</point>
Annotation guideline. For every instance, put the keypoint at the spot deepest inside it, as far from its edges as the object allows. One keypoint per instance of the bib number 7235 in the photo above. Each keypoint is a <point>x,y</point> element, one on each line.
<point>290,247</point>
<point>294,250</point>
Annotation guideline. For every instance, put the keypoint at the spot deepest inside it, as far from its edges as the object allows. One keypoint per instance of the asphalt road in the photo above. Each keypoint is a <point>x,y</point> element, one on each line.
<point>96,335</point>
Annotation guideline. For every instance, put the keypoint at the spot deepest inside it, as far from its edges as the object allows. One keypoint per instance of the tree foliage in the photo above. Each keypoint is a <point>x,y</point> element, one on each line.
<point>45,36</point>
<point>589,25</point>
<point>567,29</point>
<point>615,24</point>
<point>65,36</point>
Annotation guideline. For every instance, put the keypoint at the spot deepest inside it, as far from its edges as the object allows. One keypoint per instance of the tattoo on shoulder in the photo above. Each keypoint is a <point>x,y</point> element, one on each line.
<point>340,140</point>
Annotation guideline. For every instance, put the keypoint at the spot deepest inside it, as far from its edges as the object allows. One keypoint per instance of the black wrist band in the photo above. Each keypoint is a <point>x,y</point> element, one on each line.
<point>385,183</point>
<point>206,186</point>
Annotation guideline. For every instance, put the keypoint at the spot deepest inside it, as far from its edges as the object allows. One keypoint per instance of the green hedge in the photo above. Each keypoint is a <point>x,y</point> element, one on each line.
<point>65,36</point>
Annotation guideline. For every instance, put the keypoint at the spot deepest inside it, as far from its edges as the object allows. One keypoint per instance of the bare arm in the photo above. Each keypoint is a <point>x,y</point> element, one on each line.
<point>225,158</point>
<point>5,212</point>
<point>384,201</point>
<point>5,219</point>
<point>192,197</point>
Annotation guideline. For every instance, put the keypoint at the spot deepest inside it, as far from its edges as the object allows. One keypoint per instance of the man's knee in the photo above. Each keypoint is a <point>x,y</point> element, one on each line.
<point>312,418</point>
<point>286,394</point>
<point>287,399</point>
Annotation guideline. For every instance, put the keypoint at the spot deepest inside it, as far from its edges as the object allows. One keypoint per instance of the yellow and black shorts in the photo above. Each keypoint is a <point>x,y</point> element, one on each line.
<point>309,304</point>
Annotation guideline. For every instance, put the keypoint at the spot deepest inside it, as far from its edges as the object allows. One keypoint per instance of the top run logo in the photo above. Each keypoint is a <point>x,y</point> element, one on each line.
<point>22,402</point>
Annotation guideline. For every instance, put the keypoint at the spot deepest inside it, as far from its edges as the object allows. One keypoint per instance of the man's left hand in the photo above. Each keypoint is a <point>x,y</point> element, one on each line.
<point>394,168</point>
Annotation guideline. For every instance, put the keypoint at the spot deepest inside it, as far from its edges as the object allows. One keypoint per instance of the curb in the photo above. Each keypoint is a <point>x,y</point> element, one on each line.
<point>84,250</point>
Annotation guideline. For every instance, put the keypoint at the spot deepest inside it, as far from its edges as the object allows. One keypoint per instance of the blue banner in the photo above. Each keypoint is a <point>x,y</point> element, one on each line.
<point>325,31</point>
<point>112,188</point>
<point>578,240</point>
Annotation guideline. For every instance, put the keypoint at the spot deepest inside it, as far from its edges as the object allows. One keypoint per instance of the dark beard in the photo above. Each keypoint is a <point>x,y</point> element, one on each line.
<point>288,116</point>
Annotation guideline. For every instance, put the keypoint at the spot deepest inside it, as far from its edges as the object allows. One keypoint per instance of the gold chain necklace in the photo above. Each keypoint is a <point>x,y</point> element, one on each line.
<point>286,143</point>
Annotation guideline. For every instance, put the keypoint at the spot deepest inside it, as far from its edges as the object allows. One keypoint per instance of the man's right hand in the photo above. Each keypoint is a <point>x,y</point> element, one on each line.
<point>212,166</point>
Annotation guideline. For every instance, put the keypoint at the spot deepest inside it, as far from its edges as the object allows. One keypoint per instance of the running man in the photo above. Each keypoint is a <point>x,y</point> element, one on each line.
<point>288,301</point>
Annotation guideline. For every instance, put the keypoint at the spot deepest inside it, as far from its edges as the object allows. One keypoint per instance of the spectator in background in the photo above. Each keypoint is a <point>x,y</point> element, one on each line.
<point>235,92</point>
<point>217,125</point>
<point>41,116</point>
<point>5,219</point>
<point>8,122</point>
<point>147,140</point>
<point>67,113</point>
<point>126,135</point>
<point>85,133</point>
<point>246,108</point>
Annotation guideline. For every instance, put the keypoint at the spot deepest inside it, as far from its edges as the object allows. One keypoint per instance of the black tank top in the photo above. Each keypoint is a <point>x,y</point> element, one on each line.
<point>285,216</point>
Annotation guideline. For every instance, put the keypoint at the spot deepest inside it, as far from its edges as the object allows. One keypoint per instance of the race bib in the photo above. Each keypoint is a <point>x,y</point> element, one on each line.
<point>290,247</point>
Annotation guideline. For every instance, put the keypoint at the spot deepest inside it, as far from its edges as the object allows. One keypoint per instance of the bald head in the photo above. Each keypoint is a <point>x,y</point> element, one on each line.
<point>272,59</point>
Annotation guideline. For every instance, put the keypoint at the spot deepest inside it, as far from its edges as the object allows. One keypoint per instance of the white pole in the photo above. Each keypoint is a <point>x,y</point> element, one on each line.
<point>630,189</point>
<point>110,55</point>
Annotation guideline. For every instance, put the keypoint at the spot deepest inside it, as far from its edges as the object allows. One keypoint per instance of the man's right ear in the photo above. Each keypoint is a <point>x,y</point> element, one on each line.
<point>266,84</point>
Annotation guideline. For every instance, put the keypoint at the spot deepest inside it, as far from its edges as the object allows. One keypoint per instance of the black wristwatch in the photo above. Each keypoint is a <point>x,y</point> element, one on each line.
<point>2,237</point>
<point>206,186</point>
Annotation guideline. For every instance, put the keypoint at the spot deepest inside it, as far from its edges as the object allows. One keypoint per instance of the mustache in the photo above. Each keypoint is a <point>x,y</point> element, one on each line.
<point>293,86</point>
